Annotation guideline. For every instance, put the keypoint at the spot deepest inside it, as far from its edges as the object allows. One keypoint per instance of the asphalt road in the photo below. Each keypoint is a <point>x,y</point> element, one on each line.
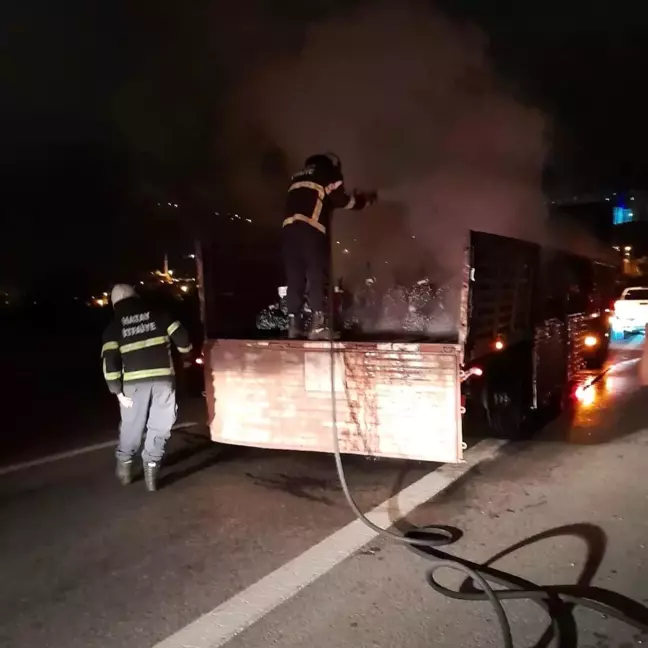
<point>86,563</point>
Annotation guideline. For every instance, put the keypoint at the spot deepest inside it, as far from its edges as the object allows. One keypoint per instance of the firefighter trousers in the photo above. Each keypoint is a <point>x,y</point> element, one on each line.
<point>154,411</point>
<point>306,255</point>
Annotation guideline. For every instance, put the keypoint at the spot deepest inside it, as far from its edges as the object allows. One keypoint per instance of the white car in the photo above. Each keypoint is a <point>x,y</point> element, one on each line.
<point>631,311</point>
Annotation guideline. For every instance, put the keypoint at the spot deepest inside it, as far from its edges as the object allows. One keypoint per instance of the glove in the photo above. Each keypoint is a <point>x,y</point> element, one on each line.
<point>371,197</point>
<point>124,401</point>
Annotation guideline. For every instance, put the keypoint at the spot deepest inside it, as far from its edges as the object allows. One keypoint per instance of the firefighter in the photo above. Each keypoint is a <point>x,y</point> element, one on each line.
<point>313,194</point>
<point>138,369</point>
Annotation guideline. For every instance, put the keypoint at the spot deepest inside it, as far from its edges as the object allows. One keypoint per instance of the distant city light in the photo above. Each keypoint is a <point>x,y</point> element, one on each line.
<point>192,256</point>
<point>627,248</point>
<point>175,205</point>
<point>249,220</point>
<point>184,288</point>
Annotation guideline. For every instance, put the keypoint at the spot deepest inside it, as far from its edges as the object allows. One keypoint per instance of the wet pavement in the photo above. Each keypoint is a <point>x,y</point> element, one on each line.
<point>573,516</point>
<point>610,406</point>
<point>86,563</point>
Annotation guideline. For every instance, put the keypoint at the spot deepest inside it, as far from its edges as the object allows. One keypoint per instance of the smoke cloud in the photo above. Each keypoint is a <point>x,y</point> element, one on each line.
<point>412,105</point>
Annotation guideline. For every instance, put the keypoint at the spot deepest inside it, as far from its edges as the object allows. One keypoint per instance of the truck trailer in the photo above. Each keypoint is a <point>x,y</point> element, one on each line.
<point>527,321</point>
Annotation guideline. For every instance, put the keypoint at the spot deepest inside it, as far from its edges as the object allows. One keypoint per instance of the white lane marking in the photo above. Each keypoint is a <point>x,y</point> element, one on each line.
<point>232,617</point>
<point>6,470</point>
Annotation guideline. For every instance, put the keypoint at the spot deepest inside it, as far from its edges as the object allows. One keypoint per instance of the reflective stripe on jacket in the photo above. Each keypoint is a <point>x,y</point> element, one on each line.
<point>314,193</point>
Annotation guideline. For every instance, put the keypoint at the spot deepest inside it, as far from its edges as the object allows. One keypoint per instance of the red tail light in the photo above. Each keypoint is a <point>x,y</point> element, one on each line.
<point>473,371</point>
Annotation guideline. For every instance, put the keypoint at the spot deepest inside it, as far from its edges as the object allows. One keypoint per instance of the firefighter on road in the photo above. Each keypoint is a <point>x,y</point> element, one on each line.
<point>138,368</point>
<point>313,194</point>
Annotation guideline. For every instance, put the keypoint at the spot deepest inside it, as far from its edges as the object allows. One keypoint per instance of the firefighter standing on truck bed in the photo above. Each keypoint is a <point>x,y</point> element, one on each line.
<point>313,194</point>
<point>138,369</point>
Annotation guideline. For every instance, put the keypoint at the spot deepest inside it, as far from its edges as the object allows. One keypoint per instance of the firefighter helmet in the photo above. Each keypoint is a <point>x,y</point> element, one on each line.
<point>327,159</point>
<point>122,291</point>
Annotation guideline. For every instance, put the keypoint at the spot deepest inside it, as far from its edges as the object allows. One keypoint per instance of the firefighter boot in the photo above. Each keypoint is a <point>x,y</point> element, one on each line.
<point>294,327</point>
<point>124,471</point>
<point>319,329</point>
<point>151,472</point>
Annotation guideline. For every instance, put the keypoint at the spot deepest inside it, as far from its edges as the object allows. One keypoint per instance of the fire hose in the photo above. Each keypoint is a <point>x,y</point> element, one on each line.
<point>426,543</point>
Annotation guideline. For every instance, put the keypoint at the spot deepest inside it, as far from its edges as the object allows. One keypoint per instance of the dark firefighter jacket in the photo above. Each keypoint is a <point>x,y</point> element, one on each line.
<point>314,193</point>
<point>136,345</point>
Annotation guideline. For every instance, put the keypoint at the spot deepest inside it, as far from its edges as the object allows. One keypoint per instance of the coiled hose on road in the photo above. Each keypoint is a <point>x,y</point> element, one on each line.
<point>425,542</point>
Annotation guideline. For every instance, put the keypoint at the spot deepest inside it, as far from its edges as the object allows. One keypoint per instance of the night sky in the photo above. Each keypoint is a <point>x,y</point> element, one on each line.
<point>113,107</point>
